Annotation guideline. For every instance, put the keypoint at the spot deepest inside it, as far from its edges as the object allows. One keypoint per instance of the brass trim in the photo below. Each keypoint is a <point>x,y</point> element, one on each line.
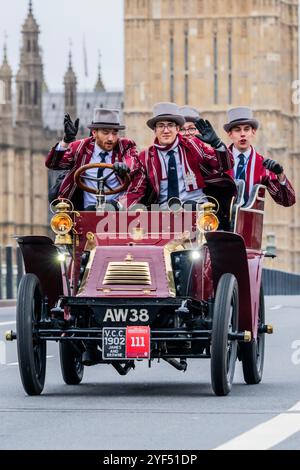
<point>87,271</point>
<point>247,336</point>
<point>90,242</point>
<point>64,239</point>
<point>9,335</point>
<point>125,289</point>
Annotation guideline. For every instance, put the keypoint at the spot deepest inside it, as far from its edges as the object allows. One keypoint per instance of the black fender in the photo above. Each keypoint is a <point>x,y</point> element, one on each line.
<point>228,255</point>
<point>40,258</point>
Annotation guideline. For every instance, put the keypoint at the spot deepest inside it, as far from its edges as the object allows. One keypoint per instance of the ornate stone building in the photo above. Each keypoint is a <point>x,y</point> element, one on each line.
<point>217,54</point>
<point>31,122</point>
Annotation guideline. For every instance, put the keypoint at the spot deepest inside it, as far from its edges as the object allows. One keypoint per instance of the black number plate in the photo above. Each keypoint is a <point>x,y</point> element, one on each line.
<point>114,343</point>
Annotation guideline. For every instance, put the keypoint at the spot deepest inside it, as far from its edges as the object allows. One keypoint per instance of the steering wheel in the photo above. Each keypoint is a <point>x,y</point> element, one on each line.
<point>78,177</point>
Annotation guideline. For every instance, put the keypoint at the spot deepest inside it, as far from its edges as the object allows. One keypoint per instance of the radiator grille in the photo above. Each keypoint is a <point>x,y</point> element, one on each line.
<point>127,273</point>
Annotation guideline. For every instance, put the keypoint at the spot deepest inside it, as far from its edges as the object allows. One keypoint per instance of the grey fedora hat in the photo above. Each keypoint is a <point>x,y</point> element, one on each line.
<point>241,115</point>
<point>189,113</point>
<point>165,112</point>
<point>106,119</point>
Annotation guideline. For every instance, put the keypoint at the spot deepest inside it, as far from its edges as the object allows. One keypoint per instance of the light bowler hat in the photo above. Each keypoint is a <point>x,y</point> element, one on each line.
<point>106,119</point>
<point>189,113</point>
<point>165,112</point>
<point>241,115</point>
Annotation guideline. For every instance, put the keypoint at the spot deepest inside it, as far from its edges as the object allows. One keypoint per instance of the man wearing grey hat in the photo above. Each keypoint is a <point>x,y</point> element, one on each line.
<point>191,115</point>
<point>249,165</point>
<point>178,168</point>
<point>103,146</point>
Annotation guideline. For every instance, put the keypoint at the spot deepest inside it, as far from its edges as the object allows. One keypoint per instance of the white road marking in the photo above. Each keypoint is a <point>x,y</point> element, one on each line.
<point>296,407</point>
<point>16,363</point>
<point>5,323</point>
<point>276,307</point>
<point>268,434</point>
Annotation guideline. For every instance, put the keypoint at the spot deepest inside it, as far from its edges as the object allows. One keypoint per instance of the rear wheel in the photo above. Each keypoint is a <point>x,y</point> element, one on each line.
<point>253,353</point>
<point>31,349</point>
<point>70,362</point>
<point>225,321</point>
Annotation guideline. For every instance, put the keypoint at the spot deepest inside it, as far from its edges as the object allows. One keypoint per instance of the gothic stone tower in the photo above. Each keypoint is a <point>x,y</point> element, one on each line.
<point>217,54</point>
<point>5,99</point>
<point>23,176</point>
<point>70,87</point>
<point>30,75</point>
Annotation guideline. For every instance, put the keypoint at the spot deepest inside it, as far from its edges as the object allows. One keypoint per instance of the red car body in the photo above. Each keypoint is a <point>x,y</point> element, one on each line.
<point>153,261</point>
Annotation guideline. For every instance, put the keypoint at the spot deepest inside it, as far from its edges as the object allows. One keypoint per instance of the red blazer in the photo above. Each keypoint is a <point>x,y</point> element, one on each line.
<point>198,160</point>
<point>80,152</point>
<point>283,194</point>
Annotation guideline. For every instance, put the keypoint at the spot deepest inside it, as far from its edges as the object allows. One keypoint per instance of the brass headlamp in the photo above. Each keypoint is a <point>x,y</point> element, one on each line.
<point>61,223</point>
<point>207,220</point>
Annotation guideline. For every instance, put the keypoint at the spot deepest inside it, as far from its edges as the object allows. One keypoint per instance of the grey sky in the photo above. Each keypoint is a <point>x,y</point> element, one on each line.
<point>100,21</point>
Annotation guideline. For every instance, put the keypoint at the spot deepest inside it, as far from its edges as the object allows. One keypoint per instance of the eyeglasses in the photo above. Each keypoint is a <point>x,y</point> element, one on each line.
<point>190,130</point>
<point>161,127</point>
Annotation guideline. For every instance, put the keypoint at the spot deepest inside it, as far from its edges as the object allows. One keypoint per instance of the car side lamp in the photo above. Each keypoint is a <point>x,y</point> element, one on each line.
<point>271,250</point>
<point>61,223</point>
<point>207,220</point>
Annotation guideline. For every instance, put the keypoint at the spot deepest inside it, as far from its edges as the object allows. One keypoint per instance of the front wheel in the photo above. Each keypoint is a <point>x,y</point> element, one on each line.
<point>70,363</point>
<point>31,349</point>
<point>253,353</point>
<point>225,321</point>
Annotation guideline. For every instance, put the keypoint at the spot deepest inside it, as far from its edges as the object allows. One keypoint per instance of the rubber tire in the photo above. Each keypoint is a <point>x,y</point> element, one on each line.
<point>253,353</point>
<point>223,363</point>
<point>31,350</point>
<point>71,367</point>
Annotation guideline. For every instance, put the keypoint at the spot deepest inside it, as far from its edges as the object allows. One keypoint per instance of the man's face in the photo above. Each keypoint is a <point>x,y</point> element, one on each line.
<point>166,132</point>
<point>106,139</point>
<point>242,136</point>
<point>188,130</point>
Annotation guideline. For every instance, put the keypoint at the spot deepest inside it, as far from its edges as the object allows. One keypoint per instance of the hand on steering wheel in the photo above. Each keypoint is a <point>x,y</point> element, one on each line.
<point>79,176</point>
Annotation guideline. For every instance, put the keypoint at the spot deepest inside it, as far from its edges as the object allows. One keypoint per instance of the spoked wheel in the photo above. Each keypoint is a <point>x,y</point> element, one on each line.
<point>253,353</point>
<point>70,362</point>
<point>225,321</point>
<point>31,349</point>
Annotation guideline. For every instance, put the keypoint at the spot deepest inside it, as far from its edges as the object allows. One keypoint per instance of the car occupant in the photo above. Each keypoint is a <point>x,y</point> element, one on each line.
<point>191,115</point>
<point>178,168</point>
<point>103,146</point>
<point>249,165</point>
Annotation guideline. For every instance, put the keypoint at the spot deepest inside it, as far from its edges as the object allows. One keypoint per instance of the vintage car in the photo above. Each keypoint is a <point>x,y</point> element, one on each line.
<point>119,286</point>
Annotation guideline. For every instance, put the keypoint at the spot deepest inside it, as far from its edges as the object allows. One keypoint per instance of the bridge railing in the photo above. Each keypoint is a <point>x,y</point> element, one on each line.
<point>277,282</point>
<point>12,269</point>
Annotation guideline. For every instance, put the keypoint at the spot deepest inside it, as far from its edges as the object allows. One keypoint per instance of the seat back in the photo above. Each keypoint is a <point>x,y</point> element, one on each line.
<point>236,203</point>
<point>249,218</point>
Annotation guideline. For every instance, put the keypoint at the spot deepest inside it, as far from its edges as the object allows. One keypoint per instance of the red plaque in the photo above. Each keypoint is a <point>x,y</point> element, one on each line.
<point>138,342</point>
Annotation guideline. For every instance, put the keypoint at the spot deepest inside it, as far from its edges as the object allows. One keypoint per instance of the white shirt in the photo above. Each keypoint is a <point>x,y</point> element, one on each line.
<point>183,194</point>
<point>246,154</point>
<point>88,198</point>
<point>236,154</point>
